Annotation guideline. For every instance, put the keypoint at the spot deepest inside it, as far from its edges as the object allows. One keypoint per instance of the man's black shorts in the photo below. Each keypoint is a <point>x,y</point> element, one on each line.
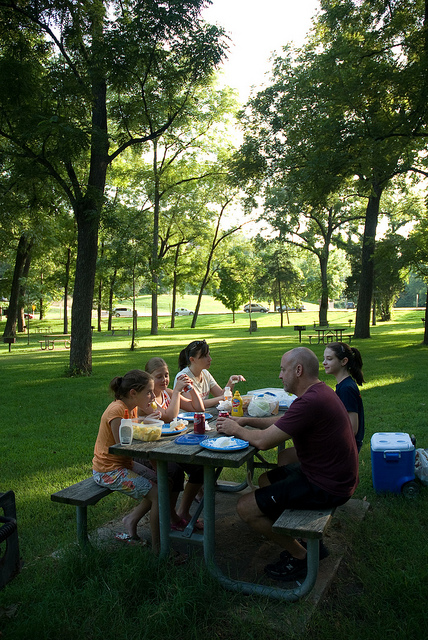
<point>290,489</point>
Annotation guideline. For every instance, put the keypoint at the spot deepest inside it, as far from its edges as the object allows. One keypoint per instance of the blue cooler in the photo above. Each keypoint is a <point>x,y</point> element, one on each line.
<point>393,461</point>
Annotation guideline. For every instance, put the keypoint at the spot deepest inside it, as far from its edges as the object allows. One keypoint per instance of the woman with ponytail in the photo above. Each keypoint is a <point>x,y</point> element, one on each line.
<point>345,364</point>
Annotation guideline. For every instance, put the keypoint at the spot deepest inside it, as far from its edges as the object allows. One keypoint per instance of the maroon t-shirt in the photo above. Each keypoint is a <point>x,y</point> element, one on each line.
<point>325,443</point>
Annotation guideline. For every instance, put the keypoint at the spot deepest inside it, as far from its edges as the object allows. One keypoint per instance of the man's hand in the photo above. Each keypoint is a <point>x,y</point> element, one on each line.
<point>226,425</point>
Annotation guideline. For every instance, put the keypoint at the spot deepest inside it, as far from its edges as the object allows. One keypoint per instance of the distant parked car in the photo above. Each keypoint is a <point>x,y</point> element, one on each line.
<point>123,312</point>
<point>183,312</point>
<point>350,305</point>
<point>28,315</point>
<point>256,308</point>
<point>298,308</point>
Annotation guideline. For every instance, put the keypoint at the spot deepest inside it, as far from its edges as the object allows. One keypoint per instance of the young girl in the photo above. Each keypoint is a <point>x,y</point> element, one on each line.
<point>345,364</point>
<point>120,473</point>
<point>194,361</point>
<point>169,402</point>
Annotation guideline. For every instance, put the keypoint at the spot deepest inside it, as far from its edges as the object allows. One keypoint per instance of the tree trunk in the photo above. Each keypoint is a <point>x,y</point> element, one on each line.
<point>207,270</point>
<point>81,311</point>
<point>425,340</point>
<point>174,287</point>
<point>25,245</point>
<point>87,211</point>
<point>365,294</point>
<point>66,285</point>
<point>323,320</point>
<point>41,300</point>
<point>155,245</point>
<point>110,299</point>
<point>22,293</point>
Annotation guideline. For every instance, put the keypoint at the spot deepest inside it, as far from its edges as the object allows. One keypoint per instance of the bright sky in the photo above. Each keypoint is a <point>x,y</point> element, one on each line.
<point>256,30</point>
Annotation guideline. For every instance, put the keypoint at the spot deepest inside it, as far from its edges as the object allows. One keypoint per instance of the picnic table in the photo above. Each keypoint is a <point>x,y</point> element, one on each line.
<point>167,450</point>
<point>327,334</point>
<point>48,342</point>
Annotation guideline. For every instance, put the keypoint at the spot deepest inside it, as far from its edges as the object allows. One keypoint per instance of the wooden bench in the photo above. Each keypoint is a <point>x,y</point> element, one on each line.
<point>49,344</point>
<point>81,495</point>
<point>113,330</point>
<point>311,525</point>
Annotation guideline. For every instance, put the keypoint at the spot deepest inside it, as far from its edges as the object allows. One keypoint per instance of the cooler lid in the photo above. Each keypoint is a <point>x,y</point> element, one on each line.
<point>383,441</point>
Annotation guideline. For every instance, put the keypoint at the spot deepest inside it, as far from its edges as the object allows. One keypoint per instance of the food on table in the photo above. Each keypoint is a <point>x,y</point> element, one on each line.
<point>178,424</point>
<point>147,433</point>
<point>224,441</point>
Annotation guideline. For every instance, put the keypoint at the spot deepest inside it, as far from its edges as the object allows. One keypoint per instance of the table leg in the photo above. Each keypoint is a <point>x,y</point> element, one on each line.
<point>209,514</point>
<point>164,510</point>
<point>250,588</point>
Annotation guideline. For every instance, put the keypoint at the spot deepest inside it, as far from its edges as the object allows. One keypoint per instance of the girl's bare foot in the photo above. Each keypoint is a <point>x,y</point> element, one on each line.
<point>130,525</point>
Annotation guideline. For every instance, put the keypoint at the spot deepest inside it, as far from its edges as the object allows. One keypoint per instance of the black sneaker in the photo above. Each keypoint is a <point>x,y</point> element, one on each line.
<point>323,552</point>
<point>287,569</point>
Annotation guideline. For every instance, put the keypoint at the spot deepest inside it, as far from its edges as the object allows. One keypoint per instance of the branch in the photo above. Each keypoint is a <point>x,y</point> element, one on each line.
<point>28,153</point>
<point>415,170</point>
<point>48,31</point>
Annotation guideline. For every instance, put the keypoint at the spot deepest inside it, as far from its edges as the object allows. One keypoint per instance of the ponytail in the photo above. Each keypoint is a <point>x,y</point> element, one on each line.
<point>194,348</point>
<point>135,379</point>
<point>355,362</point>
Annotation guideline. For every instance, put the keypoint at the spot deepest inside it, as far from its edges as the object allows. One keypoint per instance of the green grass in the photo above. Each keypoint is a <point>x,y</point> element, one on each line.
<point>49,424</point>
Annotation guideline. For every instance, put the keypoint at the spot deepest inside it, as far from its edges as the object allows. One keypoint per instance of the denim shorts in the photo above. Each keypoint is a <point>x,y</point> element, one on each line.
<point>134,485</point>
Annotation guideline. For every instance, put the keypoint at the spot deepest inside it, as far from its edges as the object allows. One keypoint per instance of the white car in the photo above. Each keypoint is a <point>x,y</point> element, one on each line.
<point>256,308</point>
<point>123,312</point>
<point>183,312</point>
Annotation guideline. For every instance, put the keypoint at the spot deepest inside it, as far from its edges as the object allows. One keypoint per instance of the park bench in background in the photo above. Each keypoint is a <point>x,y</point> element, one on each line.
<point>81,495</point>
<point>115,330</point>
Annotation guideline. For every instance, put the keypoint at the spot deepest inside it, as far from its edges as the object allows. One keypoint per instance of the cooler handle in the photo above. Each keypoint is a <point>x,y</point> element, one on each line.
<point>392,456</point>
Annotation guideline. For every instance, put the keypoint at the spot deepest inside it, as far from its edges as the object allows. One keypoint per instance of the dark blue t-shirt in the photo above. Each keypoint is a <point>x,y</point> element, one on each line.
<point>348,392</point>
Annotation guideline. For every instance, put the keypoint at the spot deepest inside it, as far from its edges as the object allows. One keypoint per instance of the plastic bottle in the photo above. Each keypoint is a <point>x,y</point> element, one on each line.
<point>237,409</point>
<point>227,394</point>
<point>126,429</point>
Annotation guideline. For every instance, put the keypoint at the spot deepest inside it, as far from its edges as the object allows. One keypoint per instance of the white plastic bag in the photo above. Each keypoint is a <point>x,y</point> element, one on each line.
<point>259,406</point>
<point>421,465</point>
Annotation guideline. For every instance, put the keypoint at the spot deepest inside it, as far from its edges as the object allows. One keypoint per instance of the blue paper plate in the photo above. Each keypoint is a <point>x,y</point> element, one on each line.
<point>190,438</point>
<point>235,445</point>
<point>191,415</point>
<point>167,431</point>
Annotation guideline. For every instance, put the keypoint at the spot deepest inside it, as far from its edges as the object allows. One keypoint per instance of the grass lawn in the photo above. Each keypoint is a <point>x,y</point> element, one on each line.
<point>49,425</point>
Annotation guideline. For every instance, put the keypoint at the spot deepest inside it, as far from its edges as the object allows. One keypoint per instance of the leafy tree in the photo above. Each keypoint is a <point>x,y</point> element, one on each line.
<point>80,84</point>
<point>416,254</point>
<point>280,280</point>
<point>350,107</point>
<point>232,275</point>
<point>225,197</point>
<point>390,273</point>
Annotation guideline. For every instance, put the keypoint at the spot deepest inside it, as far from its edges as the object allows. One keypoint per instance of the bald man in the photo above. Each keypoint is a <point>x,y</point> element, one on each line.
<point>327,473</point>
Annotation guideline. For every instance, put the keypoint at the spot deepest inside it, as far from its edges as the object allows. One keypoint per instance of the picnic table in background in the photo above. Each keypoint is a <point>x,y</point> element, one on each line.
<point>48,342</point>
<point>327,334</point>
